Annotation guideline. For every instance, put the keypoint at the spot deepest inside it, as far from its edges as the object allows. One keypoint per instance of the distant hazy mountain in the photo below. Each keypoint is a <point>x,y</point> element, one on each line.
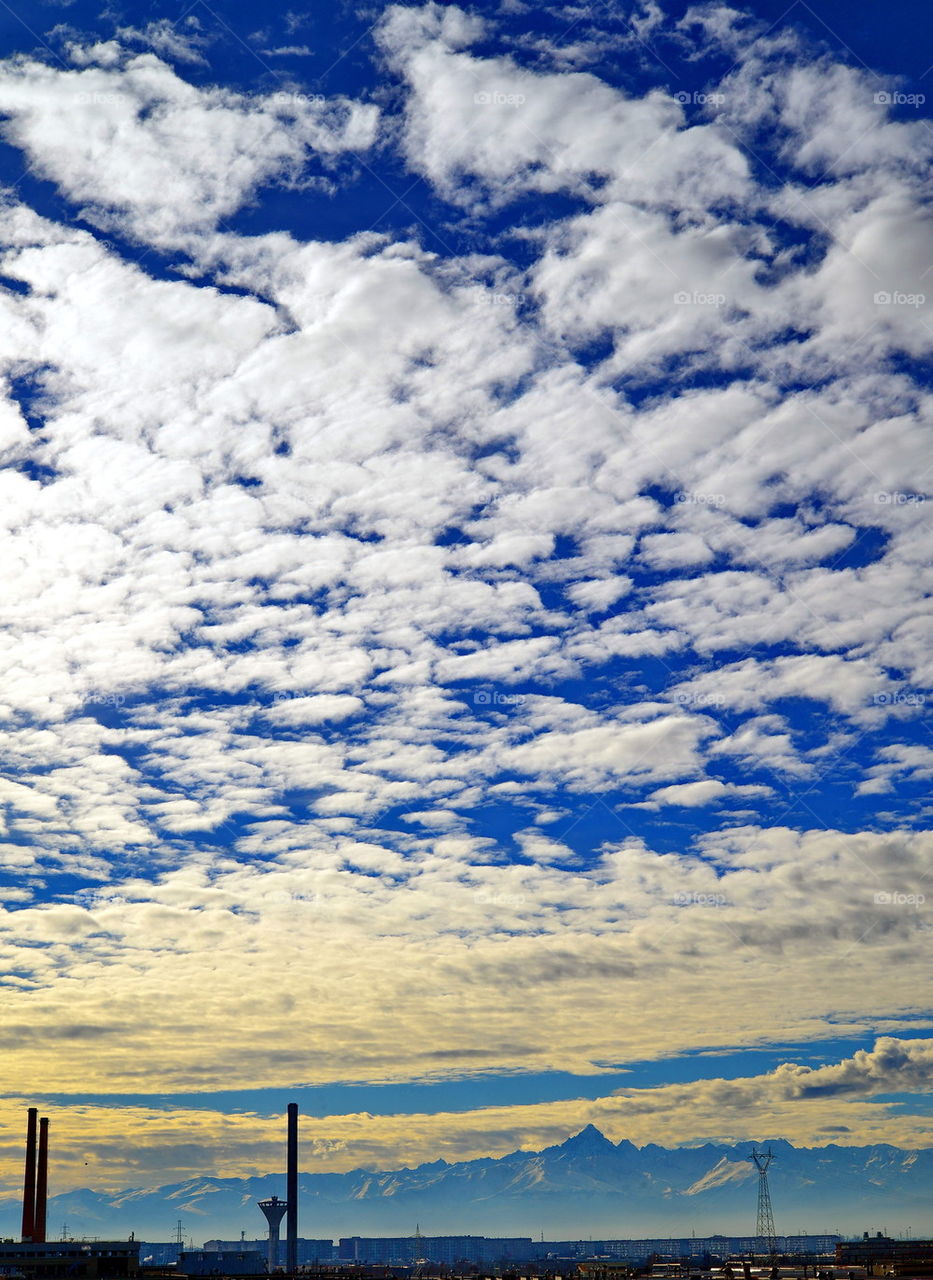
<point>586,1186</point>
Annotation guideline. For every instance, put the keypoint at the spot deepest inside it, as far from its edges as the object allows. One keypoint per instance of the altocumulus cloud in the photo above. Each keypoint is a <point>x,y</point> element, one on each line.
<point>369,604</point>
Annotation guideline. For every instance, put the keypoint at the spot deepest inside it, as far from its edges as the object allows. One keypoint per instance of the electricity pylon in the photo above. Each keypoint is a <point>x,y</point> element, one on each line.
<point>764,1228</point>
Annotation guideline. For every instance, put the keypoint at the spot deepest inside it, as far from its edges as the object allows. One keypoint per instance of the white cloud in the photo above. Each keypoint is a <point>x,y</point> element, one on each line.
<point>349,545</point>
<point>706,791</point>
<point>314,710</point>
<point>182,43</point>
<point>897,762</point>
<point>156,158</point>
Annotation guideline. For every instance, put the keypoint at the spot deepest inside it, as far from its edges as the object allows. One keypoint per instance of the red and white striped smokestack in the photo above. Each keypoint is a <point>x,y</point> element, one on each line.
<point>29,1181</point>
<point>42,1181</point>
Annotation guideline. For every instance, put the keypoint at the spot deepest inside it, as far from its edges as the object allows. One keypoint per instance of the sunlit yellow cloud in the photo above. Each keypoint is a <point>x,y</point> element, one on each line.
<point>314,969</point>
<point>113,1147</point>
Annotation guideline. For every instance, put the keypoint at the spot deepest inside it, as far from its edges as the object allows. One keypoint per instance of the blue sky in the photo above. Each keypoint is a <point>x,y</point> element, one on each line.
<point>466,529</point>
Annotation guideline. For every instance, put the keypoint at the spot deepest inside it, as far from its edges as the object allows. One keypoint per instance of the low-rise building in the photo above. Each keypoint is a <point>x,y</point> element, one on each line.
<point>226,1262</point>
<point>74,1259</point>
<point>880,1255</point>
<point>409,1250</point>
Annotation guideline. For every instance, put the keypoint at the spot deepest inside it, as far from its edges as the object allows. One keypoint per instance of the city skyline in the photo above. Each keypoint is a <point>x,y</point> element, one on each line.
<point>465,539</point>
<point>583,1188</point>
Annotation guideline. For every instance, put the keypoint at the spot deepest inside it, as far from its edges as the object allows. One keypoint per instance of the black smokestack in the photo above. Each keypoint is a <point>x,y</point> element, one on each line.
<point>42,1181</point>
<point>291,1191</point>
<point>29,1181</point>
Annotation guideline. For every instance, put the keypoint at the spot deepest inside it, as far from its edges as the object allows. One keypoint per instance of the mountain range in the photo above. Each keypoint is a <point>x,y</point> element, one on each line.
<point>585,1186</point>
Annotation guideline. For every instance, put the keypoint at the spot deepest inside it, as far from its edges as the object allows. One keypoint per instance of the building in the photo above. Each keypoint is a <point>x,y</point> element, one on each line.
<point>75,1259</point>
<point>882,1256</point>
<point>408,1250</point>
<point>604,1269</point>
<point>309,1252</point>
<point>159,1253</point>
<point>227,1262</point>
<point>676,1247</point>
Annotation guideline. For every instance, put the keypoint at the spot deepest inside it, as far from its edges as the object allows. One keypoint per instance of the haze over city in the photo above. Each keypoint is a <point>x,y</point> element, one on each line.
<point>465,561</point>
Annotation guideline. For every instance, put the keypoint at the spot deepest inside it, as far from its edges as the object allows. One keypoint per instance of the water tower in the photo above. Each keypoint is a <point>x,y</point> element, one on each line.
<point>274,1210</point>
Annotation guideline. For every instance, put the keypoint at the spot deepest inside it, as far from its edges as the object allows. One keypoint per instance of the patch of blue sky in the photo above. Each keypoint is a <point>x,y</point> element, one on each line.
<point>482,1089</point>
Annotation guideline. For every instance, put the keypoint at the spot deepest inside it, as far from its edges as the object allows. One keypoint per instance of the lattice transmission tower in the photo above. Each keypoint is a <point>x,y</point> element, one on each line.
<point>764,1228</point>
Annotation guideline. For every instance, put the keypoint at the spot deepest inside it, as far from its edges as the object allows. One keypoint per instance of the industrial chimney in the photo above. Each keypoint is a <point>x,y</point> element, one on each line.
<point>291,1191</point>
<point>29,1182</point>
<point>42,1182</point>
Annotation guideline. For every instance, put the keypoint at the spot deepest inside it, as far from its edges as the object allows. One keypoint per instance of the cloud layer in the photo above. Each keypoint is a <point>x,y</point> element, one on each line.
<point>365,601</point>
<point>119,1145</point>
